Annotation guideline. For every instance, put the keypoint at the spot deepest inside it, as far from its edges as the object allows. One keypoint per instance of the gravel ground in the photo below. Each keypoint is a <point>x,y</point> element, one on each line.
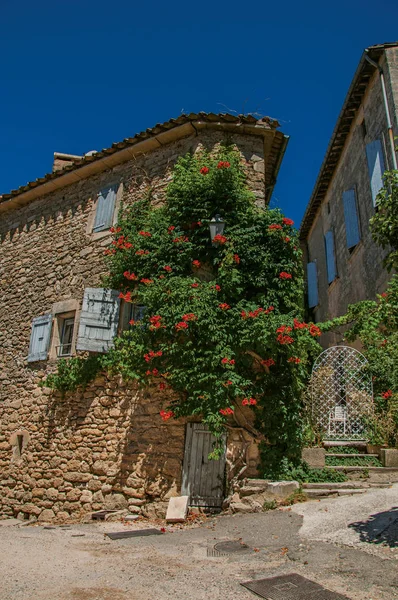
<point>80,563</point>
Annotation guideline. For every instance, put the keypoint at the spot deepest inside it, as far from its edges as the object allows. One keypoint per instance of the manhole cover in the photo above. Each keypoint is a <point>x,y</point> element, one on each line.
<point>228,547</point>
<point>291,587</point>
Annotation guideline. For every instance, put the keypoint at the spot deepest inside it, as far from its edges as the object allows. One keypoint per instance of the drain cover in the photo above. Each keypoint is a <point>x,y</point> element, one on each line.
<point>291,587</point>
<point>119,535</point>
<point>228,547</point>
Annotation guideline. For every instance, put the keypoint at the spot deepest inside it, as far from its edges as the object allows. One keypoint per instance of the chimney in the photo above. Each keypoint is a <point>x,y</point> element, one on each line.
<point>62,160</point>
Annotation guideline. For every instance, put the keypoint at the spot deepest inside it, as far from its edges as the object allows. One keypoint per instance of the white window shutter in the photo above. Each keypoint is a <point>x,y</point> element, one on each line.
<point>105,209</point>
<point>98,320</point>
<point>374,154</point>
<point>330,256</point>
<point>40,338</point>
<point>351,218</point>
<point>312,283</point>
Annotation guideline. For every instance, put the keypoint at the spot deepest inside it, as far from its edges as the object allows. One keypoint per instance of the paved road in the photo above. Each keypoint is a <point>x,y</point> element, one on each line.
<point>79,562</point>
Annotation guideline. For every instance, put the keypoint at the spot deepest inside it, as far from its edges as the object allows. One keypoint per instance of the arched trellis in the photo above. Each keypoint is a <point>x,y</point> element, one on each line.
<point>341,394</point>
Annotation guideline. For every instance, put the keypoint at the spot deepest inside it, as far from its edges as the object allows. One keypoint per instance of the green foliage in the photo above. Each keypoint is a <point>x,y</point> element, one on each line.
<point>359,460</point>
<point>74,372</point>
<point>342,450</point>
<point>270,505</point>
<point>222,328</point>
<point>301,472</point>
<point>384,223</point>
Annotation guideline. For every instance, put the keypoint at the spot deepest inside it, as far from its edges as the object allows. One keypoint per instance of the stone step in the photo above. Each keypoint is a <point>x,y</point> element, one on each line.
<point>338,485</point>
<point>342,455</point>
<point>348,443</point>
<point>364,468</point>
<point>325,492</point>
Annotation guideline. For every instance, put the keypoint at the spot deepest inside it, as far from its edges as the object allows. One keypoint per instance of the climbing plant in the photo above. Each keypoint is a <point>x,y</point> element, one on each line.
<point>222,327</point>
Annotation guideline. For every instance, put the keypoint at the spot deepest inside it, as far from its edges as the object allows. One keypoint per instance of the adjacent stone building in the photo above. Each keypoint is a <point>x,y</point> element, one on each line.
<point>103,447</point>
<point>343,263</point>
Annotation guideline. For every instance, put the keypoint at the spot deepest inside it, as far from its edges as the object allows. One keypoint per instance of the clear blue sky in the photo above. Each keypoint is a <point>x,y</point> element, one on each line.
<point>77,76</point>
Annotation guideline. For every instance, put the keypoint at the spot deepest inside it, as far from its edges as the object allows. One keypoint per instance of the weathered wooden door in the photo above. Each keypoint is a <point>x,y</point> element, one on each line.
<point>202,479</point>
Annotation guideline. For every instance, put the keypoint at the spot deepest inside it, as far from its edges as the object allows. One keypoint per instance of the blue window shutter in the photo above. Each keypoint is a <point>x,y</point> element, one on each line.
<point>105,209</point>
<point>351,218</point>
<point>98,320</point>
<point>312,282</point>
<point>330,256</point>
<point>40,338</point>
<point>374,153</point>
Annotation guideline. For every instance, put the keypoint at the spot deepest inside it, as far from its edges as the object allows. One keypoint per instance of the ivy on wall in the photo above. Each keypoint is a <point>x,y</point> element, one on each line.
<point>223,323</point>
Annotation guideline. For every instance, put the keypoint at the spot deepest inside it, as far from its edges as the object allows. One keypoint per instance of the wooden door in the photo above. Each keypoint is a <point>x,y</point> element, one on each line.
<point>202,479</point>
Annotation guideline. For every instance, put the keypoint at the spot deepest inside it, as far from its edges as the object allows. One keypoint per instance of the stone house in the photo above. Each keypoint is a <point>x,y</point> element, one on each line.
<point>103,447</point>
<point>343,263</point>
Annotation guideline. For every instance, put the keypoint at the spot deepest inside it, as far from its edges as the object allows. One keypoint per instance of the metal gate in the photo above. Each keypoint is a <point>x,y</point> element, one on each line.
<point>202,479</point>
<point>341,394</point>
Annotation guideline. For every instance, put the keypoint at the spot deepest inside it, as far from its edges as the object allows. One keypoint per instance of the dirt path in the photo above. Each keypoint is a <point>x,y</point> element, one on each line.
<point>80,563</point>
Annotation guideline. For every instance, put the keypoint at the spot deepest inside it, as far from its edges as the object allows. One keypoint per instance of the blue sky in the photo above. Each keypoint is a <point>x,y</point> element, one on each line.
<point>77,76</point>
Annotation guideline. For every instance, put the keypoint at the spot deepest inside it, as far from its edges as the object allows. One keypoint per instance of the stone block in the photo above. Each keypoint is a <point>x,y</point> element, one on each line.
<point>314,457</point>
<point>177,509</point>
<point>389,457</point>
<point>46,515</point>
<point>115,502</point>
<point>281,489</point>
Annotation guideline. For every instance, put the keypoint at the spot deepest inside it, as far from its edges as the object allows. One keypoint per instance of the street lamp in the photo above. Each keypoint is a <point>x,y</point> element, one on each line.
<point>216,227</point>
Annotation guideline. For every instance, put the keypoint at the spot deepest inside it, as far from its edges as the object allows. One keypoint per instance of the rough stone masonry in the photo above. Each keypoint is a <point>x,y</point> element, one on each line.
<point>105,447</point>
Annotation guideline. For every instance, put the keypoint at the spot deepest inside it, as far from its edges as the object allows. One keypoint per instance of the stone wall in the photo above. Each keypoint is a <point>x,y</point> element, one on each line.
<point>360,273</point>
<point>105,447</point>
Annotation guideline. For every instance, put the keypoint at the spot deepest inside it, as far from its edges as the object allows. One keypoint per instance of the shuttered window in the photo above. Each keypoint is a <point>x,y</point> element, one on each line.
<point>374,154</point>
<point>40,338</point>
<point>351,218</point>
<point>312,283</point>
<point>330,256</point>
<point>98,320</point>
<point>105,209</point>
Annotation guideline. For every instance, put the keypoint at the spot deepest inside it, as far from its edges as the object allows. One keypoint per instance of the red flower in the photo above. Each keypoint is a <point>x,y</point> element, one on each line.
<point>224,306</point>
<point>166,415</point>
<point>132,322</point>
<point>162,385</point>
<point>294,359</point>
<point>268,362</point>
<point>196,264</point>
<point>387,394</point>
<point>285,339</point>
<point>189,317</point>
<point>232,362</point>
<point>314,330</point>
<point>141,252</point>
<point>243,314</point>
<point>199,223</point>
<point>298,325</point>
<point>131,276</point>
<point>108,251</point>
<point>229,382</point>
<point>145,233</point>
<point>227,361</point>
<point>155,319</point>
<point>252,401</point>
<point>127,245</point>
<point>254,313</point>
<point>220,239</point>
<point>283,329</point>
<point>223,164</point>
<point>384,295</point>
<point>115,230</point>
<point>171,228</point>
<point>161,277</point>
<point>148,372</point>
<point>286,239</point>
<point>155,372</point>
<point>204,170</point>
<point>126,297</point>
<point>147,281</point>
<point>274,226</point>
<point>168,268</point>
<point>236,259</point>
<point>245,401</point>
<point>227,411</point>
<point>217,288</point>
<point>287,221</point>
<point>284,275</point>
<point>195,285</point>
<point>151,354</point>
<point>181,325</point>
<point>182,238</point>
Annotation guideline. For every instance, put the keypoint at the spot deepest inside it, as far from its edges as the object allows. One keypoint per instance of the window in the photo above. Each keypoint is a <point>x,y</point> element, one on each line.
<point>105,208</point>
<point>330,256</point>
<point>312,283</point>
<point>98,320</point>
<point>374,154</point>
<point>40,338</point>
<point>66,337</point>
<point>130,312</point>
<point>351,218</point>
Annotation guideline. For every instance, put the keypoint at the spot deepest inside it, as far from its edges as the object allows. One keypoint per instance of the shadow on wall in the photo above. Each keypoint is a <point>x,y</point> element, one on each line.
<point>380,528</point>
